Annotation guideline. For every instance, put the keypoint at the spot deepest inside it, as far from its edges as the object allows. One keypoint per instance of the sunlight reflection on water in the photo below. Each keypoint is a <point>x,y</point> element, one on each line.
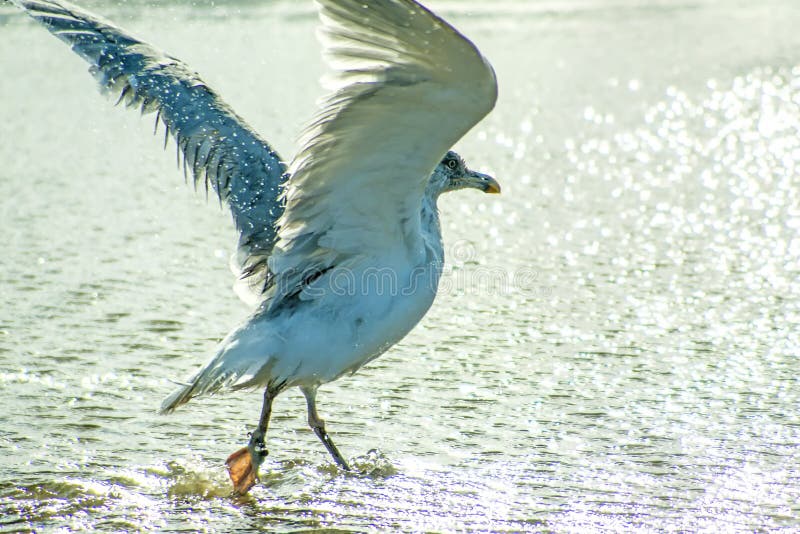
<point>613,349</point>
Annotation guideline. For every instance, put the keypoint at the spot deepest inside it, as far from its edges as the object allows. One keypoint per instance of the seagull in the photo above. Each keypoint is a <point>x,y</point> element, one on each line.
<point>340,250</point>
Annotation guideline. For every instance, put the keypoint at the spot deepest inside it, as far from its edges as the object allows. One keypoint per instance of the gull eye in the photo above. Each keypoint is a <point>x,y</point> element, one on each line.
<point>452,164</point>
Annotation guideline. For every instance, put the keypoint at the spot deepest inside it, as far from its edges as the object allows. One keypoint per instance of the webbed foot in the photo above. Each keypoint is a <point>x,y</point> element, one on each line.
<point>243,466</point>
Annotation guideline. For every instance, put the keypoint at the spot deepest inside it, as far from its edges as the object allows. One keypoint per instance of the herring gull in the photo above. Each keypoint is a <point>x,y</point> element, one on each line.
<point>318,237</point>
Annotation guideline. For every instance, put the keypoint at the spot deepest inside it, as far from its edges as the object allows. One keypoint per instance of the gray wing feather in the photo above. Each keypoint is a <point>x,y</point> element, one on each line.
<point>217,146</point>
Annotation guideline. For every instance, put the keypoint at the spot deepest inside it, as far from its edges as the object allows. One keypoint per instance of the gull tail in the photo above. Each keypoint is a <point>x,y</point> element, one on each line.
<point>207,381</point>
<point>242,361</point>
<point>178,397</point>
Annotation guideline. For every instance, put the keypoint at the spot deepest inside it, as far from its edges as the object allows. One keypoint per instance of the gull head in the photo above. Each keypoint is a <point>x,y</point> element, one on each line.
<point>452,174</point>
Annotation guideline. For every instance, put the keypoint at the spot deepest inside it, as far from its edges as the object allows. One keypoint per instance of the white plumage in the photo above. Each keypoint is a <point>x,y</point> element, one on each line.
<point>347,261</point>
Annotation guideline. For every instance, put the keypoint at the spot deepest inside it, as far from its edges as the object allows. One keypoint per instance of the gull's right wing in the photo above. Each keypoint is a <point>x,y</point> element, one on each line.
<point>218,146</point>
<point>406,86</point>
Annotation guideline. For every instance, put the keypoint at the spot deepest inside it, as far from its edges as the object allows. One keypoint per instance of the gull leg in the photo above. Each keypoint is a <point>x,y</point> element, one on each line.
<point>318,426</point>
<point>243,464</point>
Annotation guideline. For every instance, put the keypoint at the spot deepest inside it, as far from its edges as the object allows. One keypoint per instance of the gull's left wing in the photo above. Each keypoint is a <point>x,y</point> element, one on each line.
<point>217,146</point>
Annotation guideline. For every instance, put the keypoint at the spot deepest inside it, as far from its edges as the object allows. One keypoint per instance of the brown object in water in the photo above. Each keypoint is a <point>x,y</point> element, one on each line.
<point>241,469</point>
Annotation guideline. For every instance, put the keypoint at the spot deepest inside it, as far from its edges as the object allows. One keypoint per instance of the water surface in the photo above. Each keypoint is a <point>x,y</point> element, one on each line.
<point>614,347</point>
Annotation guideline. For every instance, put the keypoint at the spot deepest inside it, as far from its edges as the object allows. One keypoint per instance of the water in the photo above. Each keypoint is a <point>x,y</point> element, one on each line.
<point>614,347</point>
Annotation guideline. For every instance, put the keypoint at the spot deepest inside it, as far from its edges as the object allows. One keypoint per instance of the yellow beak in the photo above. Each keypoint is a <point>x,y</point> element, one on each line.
<point>484,182</point>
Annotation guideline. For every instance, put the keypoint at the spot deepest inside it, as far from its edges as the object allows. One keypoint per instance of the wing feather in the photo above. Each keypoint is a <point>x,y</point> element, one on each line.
<point>405,87</point>
<point>216,145</point>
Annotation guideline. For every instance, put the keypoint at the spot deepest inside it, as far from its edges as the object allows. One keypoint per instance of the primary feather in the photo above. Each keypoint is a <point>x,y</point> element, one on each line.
<point>216,145</point>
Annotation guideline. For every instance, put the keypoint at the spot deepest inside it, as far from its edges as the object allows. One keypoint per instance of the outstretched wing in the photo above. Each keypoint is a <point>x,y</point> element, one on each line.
<point>219,148</point>
<point>406,86</point>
